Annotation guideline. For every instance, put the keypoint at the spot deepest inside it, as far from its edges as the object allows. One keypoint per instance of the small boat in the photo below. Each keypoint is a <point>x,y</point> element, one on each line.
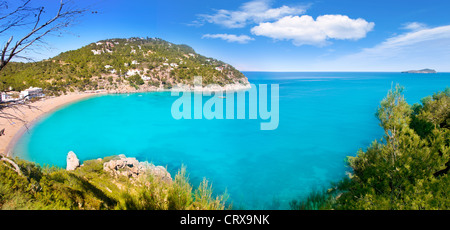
<point>222,97</point>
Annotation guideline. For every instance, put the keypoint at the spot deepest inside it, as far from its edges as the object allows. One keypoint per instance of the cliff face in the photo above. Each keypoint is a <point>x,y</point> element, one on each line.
<point>132,168</point>
<point>121,65</point>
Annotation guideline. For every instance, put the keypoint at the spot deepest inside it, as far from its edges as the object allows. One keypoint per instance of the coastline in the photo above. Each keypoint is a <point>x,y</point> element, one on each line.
<point>15,129</point>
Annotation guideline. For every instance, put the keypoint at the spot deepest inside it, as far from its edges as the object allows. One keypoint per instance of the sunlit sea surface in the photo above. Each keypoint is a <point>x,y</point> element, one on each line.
<point>323,118</point>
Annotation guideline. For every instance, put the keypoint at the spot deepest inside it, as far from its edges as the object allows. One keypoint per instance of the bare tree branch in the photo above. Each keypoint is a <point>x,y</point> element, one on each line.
<point>16,167</point>
<point>17,17</point>
<point>6,47</point>
<point>17,111</point>
<point>18,9</point>
<point>63,18</point>
<point>26,17</point>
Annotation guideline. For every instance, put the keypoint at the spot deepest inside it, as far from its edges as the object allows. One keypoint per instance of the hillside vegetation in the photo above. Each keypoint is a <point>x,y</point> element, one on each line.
<point>406,170</point>
<point>90,187</point>
<point>120,65</point>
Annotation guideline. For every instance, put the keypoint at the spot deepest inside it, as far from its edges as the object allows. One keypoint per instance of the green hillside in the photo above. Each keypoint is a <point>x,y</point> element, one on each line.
<point>119,65</point>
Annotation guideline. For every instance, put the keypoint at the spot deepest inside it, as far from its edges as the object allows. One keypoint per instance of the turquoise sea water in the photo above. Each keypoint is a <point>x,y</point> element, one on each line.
<point>323,118</point>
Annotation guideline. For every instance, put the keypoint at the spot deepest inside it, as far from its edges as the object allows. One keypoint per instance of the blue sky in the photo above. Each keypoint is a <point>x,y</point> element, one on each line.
<point>279,35</point>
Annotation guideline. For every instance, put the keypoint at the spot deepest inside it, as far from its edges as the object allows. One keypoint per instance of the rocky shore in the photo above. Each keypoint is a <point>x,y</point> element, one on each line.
<point>181,87</point>
<point>213,88</point>
<point>121,165</point>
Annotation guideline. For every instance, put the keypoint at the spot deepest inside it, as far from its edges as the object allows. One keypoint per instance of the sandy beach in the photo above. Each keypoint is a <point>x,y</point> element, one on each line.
<point>14,128</point>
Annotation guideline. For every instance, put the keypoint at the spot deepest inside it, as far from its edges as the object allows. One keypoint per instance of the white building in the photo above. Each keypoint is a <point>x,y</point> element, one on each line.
<point>146,78</point>
<point>110,44</point>
<point>31,93</point>
<point>133,72</point>
<point>134,62</point>
<point>96,52</point>
<point>5,97</point>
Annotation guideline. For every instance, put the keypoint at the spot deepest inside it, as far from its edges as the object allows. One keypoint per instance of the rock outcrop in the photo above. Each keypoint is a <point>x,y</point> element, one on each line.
<point>132,168</point>
<point>72,161</point>
<point>124,166</point>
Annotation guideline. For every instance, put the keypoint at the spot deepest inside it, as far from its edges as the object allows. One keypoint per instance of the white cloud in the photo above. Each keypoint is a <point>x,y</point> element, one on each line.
<point>424,48</point>
<point>414,26</point>
<point>230,37</point>
<point>251,12</point>
<point>305,30</point>
<point>409,40</point>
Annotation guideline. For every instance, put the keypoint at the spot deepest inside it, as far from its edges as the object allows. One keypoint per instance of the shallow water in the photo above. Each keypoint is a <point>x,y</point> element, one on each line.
<point>324,117</point>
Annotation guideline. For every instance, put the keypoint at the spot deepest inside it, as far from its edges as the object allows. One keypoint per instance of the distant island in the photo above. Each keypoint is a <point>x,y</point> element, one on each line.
<point>421,71</point>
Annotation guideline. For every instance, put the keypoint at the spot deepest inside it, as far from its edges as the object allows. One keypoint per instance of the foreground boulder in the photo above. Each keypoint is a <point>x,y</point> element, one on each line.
<point>72,161</point>
<point>132,168</point>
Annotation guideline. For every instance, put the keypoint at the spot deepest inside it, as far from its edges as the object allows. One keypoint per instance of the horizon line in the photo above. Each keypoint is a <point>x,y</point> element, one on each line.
<point>334,71</point>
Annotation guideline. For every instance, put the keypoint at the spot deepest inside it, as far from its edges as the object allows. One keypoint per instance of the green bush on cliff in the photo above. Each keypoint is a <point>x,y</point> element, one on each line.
<point>89,187</point>
<point>407,169</point>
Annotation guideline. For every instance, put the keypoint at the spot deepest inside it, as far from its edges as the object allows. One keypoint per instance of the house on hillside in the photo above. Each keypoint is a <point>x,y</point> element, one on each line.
<point>110,44</point>
<point>96,52</point>
<point>146,78</point>
<point>7,97</point>
<point>31,93</point>
<point>133,72</point>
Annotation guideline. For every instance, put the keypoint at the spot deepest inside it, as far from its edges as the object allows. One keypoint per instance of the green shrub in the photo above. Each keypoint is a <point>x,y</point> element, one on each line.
<point>89,187</point>
<point>407,169</point>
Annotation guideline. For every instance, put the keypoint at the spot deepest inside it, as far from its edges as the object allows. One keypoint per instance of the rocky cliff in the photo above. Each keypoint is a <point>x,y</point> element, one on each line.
<point>124,166</point>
